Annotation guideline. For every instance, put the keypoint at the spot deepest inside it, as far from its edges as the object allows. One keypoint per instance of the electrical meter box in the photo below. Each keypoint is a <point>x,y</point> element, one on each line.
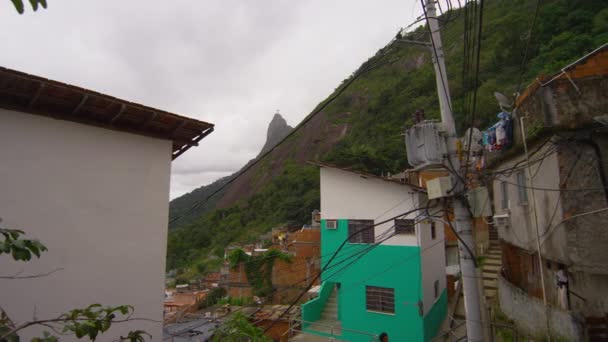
<point>438,187</point>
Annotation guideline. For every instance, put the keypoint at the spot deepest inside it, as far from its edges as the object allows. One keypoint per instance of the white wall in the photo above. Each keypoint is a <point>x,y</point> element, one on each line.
<point>521,231</point>
<point>346,195</point>
<point>98,199</point>
<point>432,262</point>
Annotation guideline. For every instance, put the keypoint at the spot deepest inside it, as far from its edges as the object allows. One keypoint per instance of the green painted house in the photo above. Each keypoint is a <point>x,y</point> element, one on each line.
<point>389,276</point>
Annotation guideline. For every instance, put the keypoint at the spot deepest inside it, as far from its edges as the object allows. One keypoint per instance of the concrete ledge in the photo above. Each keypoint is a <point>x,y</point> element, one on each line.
<point>529,314</point>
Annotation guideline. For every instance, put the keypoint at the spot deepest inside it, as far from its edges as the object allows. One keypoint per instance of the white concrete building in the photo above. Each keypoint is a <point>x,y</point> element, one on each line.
<point>389,275</point>
<point>88,175</point>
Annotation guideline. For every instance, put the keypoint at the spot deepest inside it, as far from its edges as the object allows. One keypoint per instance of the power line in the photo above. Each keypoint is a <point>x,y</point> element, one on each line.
<point>522,69</point>
<point>260,258</point>
<point>432,217</point>
<point>294,131</point>
<point>327,267</point>
<point>375,245</point>
<point>476,82</point>
<point>443,81</point>
<point>556,190</point>
<point>329,262</point>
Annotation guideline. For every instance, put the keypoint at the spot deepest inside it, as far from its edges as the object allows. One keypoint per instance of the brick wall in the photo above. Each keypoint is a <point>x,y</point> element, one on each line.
<point>237,291</point>
<point>290,279</point>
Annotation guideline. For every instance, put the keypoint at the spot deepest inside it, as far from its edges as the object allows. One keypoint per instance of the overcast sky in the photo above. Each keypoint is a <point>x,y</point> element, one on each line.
<point>232,63</point>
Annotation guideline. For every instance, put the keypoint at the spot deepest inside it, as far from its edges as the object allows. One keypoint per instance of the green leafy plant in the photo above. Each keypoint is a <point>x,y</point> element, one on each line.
<point>88,322</point>
<point>20,249</point>
<point>20,7</point>
<point>238,328</point>
<point>213,297</point>
<point>258,268</point>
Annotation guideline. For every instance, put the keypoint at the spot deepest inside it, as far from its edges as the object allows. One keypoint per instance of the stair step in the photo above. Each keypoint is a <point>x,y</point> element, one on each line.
<point>487,275</point>
<point>491,268</point>
<point>327,327</point>
<point>490,293</point>
<point>330,312</point>
<point>493,262</point>
<point>490,284</point>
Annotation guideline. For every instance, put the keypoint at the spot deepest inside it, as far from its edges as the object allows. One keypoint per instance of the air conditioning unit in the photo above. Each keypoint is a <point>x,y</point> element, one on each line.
<point>502,220</point>
<point>331,224</point>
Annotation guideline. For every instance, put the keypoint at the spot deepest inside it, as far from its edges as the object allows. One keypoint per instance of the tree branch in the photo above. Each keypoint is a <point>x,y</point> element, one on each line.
<point>46,322</point>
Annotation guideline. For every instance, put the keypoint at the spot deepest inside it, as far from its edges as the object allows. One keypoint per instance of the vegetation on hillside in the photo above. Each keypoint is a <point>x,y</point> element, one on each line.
<point>238,328</point>
<point>381,101</point>
<point>186,209</point>
<point>287,200</point>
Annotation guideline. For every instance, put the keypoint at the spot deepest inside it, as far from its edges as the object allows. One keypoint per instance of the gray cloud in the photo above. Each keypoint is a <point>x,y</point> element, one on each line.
<point>229,62</point>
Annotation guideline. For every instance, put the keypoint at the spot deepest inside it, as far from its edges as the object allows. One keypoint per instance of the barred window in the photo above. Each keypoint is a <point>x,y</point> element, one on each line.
<point>365,229</point>
<point>405,226</point>
<point>380,299</point>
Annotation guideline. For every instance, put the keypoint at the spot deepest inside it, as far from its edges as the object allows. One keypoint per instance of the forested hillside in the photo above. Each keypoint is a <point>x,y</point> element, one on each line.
<point>361,127</point>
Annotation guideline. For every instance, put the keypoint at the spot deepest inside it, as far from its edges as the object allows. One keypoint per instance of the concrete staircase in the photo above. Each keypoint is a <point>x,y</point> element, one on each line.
<point>490,271</point>
<point>491,266</point>
<point>329,323</point>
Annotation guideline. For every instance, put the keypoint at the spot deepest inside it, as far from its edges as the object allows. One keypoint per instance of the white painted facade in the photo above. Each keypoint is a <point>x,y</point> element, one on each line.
<point>521,229</point>
<point>432,258</point>
<point>98,199</point>
<point>348,195</point>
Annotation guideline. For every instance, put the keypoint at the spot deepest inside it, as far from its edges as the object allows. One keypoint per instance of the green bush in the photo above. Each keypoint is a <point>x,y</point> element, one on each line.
<point>214,296</point>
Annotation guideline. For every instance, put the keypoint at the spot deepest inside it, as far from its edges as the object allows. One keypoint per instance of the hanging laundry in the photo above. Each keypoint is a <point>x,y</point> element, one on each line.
<point>500,135</point>
<point>492,138</point>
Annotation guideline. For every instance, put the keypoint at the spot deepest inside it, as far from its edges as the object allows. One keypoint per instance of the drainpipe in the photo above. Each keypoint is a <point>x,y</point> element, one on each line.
<point>540,261</point>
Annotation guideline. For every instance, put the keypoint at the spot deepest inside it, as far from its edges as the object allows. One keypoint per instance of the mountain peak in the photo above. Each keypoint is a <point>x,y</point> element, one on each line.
<point>277,130</point>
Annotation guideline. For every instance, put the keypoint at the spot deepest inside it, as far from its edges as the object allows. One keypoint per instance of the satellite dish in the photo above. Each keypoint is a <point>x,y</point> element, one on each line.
<point>503,101</point>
